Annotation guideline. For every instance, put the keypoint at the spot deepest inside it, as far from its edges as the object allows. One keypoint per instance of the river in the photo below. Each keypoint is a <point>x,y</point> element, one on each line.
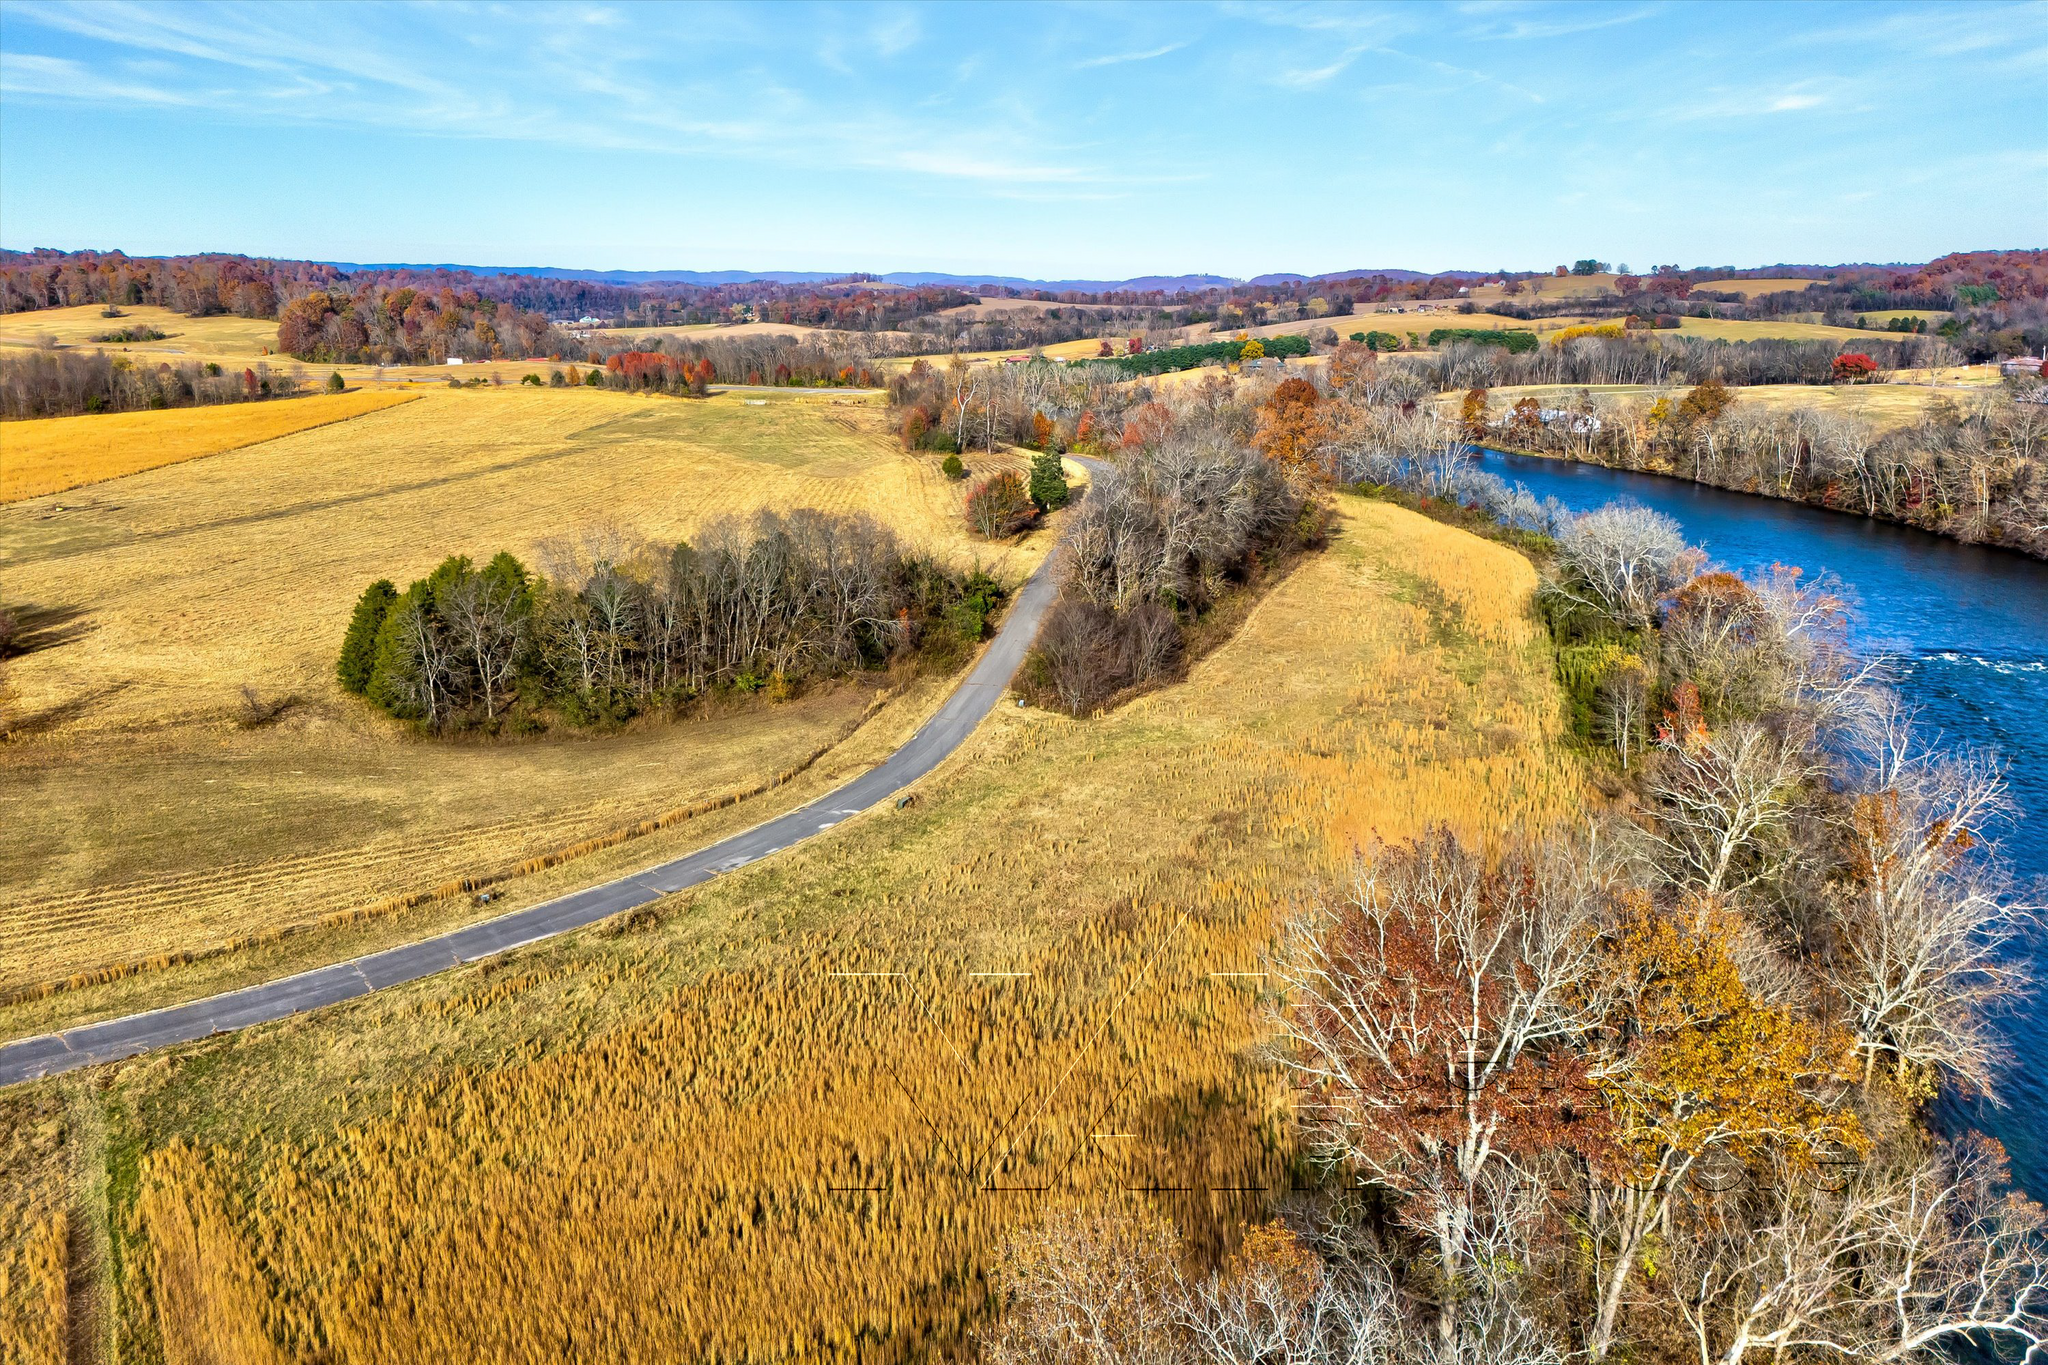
<point>1967,628</point>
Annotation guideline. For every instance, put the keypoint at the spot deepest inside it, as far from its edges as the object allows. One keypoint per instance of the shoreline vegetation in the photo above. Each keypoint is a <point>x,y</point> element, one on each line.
<point>1969,473</point>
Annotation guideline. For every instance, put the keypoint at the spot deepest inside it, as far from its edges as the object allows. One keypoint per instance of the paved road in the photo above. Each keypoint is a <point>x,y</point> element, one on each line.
<point>137,1033</point>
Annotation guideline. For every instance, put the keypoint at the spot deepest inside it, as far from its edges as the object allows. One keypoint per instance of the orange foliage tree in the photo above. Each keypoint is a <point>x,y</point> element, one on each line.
<point>1291,430</point>
<point>1472,415</point>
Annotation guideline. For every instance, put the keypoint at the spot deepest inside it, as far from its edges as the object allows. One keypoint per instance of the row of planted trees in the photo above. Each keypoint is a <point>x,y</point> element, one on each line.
<point>1649,1089</point>
<point>615,625</point>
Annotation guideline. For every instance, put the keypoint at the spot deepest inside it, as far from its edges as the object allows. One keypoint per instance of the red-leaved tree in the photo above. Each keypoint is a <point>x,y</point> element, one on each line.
<point>1434,1021</point>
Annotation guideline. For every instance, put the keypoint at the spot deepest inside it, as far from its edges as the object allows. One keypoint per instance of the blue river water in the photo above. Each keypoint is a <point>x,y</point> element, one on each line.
<point>1967,631</point>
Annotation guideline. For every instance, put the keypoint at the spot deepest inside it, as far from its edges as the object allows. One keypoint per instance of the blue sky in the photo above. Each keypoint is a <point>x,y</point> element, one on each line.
<point>1056,141</point>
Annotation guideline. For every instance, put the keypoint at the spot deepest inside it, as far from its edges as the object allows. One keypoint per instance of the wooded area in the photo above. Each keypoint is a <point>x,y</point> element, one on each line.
<point>613,625</point>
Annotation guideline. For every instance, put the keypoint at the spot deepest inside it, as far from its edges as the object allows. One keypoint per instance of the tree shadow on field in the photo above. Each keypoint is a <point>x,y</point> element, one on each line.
<point>13,726</point>
<point>37,627</point>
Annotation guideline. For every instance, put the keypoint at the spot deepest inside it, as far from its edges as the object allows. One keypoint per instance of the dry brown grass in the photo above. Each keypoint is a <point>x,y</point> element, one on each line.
<point>145,824</point>
<point>225,336</point>
<point>58,453</point>
<point>1881,405</point>
<point>36,1223</point>
<point>687,1136</point>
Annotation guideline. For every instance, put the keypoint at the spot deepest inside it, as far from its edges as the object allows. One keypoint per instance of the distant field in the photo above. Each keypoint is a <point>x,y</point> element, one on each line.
<point>77,326</point>
<point>1723,329</point>
<point>982,308</point>
<point>1750,289</point>
<point>1881,405</point>
<point>55,453</point>
<point>150,603</point>
<point>711,331</point>
<point>764,1158</point>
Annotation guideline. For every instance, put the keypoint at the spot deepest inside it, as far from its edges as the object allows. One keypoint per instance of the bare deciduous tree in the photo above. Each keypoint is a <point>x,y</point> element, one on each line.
<point>1927,915</point>
<point>1619,562</point>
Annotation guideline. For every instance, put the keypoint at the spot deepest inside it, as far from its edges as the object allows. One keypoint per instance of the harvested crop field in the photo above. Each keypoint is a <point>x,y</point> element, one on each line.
<point>157,810</point>
<point>795,1111</point>
<point>57,453</point>
<point>78,326</point>
<point>1881,405</point>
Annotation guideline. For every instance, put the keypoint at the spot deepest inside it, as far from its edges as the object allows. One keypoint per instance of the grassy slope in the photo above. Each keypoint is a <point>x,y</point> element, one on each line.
<point>642,1128</point>
<point>160,595</point>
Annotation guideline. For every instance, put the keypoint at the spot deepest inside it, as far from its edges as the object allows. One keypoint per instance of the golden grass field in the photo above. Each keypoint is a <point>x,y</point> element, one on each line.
<point>145,823</point>
<point>685,1136</point>
<point>55,453</point>
<point>243,337</point>
<point>234,342</point>
<point>1728,329</point>
<point>1881,405</point>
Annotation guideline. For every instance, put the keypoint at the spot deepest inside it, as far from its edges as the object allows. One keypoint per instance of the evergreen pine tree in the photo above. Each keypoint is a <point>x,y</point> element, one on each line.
<point>1048,481</point>
<point>399,681</point>
<point>359,646</point>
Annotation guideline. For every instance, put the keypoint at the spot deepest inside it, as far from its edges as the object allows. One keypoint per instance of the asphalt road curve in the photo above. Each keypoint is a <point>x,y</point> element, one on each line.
<point>131,1035</point>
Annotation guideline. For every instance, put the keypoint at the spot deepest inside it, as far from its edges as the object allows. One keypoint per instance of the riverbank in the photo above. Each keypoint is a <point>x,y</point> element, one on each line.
<point>1964,631</point>
<point>2033,542</point>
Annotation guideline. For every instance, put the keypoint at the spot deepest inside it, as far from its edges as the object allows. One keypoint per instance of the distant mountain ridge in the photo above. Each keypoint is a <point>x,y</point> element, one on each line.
<point>1142,284</point>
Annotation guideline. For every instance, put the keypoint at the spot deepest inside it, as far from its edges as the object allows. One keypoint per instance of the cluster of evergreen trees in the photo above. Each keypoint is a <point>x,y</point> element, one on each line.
<point>1209,352</point>
<point>619,626</point>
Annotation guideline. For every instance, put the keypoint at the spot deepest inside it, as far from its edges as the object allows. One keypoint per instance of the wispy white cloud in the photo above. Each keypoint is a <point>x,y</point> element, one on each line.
<point>1464,73</point>
<point>559,77</point>
<point>25,75</point>
<point>1308,79</point>
<point>1118,59</point>
<point>1520,22</point>
<point>1726,103</point>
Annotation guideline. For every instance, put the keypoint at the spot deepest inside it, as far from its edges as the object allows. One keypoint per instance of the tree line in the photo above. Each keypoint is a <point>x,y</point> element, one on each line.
<point>1970,470</point>
<point>1633,358</point>
<point>405,326</point>
<point>67,383</point>
<point>615,626</point>
<point>1653,1089</point>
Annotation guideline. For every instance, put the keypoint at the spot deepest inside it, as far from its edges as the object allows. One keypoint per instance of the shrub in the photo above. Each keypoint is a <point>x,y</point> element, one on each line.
<point>359,646</point>
<point>335,383</point>
<point>139,332</point>
<point>999,507</point>
<point>1086,654</point>
<point>953,468</point>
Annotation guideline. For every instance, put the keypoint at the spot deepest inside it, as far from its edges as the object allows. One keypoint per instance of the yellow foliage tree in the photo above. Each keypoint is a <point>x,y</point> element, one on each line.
<point>1711,1073</point>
